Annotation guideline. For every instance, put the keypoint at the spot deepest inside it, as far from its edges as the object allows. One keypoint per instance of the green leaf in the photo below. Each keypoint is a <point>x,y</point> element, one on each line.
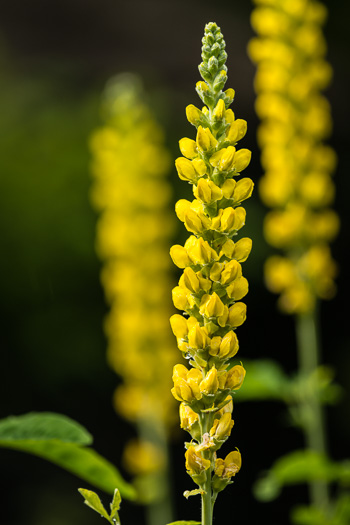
<point>59,440</point>
<point>185,522</point>
<point>93,501</point>
<point>42,427</point>
<point>115,505</point>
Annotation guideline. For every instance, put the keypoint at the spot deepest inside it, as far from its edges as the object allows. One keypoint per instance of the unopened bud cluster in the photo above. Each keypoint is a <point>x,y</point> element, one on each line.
<point>289,52</point>
<point>211,286</point>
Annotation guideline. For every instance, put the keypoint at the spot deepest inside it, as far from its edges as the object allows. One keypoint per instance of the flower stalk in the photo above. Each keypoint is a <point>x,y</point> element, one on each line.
<point>212,285</point>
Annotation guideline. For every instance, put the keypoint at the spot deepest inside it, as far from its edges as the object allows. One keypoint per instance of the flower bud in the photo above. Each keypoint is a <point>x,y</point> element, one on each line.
<point>237,130</point>
<point>215,345</point>
<point>212,306</point>
<point>219,110</point>
<point>222,427</point>
<point>207,191</point>
<point>180,298</point>
<point>228,188</point>
<point>243,190</point>
<point>238,289</point>
<point>210,384</point>
<point>190,280</point>
<point>242,159</point>
<point>181,208</point>
<point>232,270</point>
<point>242,249</point>
<point>185,169</point>
<point>229,345</point>
<point>188,148</point>
<point>228,159</point>
<point>237,314</point>
<point>240,215</point>
<point>179,256</point>
<point>194,115</point>
<point>205,140</point>
<point>197,337</point>
<point>235,377</point>
<point>201,252</point>
<point>179,325</point>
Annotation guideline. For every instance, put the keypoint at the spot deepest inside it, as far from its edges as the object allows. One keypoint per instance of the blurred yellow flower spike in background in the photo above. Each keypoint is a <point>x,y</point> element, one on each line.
<point>298,167</point>
<point>132,194</point>
<point>212,280</point>
<point>297,183</point>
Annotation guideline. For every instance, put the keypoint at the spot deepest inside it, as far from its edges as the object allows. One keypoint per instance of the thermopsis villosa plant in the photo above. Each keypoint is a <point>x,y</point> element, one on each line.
<point>212,285</point>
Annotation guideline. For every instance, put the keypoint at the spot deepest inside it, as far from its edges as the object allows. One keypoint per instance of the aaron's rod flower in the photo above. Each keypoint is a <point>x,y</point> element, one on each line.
<point>130,190</point>
<point>211,286</point>
<point>291,73</point>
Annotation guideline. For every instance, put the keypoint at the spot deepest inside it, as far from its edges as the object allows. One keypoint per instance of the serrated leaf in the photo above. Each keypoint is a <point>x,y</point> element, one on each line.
<point>43,426</point>
<point>22,433</point>
<point>184,522</point>
<point>93,501</point>
<point>115,505</point>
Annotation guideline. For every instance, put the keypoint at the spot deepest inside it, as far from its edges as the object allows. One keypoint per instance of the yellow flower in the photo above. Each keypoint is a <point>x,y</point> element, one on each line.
<point>228,467</point>
<point>195,463</point>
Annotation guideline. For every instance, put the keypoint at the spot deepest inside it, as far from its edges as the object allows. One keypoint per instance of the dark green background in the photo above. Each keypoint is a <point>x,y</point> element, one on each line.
<point>55,58</point>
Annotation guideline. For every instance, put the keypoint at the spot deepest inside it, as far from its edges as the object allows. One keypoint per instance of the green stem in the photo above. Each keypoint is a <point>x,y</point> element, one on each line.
<point>159,511</point>
<point>314,427</point>
<point>207,503</point>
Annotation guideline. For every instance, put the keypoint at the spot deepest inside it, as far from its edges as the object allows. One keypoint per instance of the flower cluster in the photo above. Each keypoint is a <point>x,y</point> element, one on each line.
<point>211,286</point>
<point>130,190</point>
<point>292,70</point>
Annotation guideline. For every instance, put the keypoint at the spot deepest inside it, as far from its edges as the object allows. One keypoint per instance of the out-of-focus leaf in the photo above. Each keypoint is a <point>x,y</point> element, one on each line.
<point>42,427</point>
<point>59,440</point>
<point>300,466</point>
<point>309,516</point>
<point>265,379</point>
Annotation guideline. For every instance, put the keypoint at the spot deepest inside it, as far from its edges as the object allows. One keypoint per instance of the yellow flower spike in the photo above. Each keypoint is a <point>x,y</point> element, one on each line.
<point>210,384</point>
<point>190,280</point>
<point>194,115</point>
<point>195,463</point>
<point>232,271</point>
<point>229,345</point>
<point>243,190</point>
<point>238,289</point>
<point>188,148</point>
<point>242,159</point>
<point>215,343</point>
<point>181,208</point>
<point>212,307</point>
<point>197,338</point>
<point>227,161</point>
<point>237,130</point>
<point>242,249</point>
<point>205,139</point>
<point>179,326</point>
<point>213,281</point>
<point>237,314</point>
<point>179,256</point>
<point>219,111</point>
<point>235,377</point>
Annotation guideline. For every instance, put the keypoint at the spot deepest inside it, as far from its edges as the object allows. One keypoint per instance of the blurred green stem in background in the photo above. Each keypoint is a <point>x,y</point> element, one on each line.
<point>313,423</point>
